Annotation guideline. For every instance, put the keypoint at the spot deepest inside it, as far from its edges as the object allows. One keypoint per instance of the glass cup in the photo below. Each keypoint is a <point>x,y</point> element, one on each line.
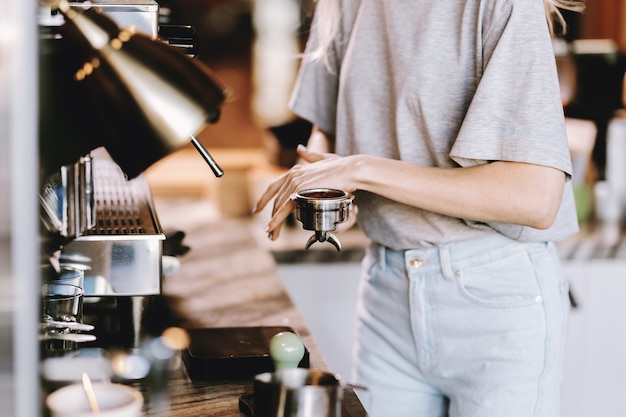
<point>61,302</point>
<point>72,276</point>
<point>66,275</point>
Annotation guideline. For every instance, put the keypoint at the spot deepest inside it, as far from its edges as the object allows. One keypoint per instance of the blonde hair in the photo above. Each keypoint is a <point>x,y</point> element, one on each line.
<point>327,26</point>
<point>554,15</point>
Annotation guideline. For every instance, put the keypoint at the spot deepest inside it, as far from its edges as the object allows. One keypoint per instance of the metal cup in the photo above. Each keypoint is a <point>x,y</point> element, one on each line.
<point>321,210</point>
<point>297,392</point>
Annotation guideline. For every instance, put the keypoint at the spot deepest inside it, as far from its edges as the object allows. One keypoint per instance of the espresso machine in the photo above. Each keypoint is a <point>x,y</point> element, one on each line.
<point>117,94</point>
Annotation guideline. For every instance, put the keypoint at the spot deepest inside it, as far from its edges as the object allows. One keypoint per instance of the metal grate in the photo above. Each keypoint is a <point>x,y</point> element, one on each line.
<point>122,207</point>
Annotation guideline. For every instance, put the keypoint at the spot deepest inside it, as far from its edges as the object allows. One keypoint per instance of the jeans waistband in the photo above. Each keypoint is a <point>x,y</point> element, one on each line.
<point>449,258</point>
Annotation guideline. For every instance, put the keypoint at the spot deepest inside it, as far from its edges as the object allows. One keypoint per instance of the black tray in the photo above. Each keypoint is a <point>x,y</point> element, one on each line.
<point>232,352</point>
<point>246,404</point>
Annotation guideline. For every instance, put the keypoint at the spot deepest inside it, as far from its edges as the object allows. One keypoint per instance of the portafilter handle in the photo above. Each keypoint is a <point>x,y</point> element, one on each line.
<point>321,210</point>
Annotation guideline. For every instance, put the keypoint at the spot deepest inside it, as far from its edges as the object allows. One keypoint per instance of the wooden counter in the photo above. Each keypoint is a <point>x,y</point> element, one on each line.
<point>227,279</point>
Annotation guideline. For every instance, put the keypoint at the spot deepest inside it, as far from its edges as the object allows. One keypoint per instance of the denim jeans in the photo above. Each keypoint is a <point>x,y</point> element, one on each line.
<point>467,329</point>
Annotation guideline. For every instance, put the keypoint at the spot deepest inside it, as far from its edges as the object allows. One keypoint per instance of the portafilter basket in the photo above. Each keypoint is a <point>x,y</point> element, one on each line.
<point>321,210</point>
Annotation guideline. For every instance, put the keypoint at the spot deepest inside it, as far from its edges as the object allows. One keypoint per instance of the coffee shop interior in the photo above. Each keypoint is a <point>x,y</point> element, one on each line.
<point>182,299</point>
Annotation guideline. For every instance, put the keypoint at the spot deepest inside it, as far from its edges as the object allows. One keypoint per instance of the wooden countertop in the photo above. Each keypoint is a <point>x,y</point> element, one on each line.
<point>227,279</point>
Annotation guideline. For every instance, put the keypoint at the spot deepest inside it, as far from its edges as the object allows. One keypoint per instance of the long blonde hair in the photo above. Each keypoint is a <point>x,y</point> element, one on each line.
<point>554,15</point>
<point>327,26</point>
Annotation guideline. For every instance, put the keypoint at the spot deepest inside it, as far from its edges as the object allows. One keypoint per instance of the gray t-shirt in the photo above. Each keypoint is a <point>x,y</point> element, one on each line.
<point>445,83</point>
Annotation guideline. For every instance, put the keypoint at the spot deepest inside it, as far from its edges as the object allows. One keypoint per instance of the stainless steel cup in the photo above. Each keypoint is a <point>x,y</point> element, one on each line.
<point>321,210</point>
<point>297,392</point>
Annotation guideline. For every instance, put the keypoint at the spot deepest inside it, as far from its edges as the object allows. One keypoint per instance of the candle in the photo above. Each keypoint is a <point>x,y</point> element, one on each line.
<point>91,395</point>
<point>113,400</point>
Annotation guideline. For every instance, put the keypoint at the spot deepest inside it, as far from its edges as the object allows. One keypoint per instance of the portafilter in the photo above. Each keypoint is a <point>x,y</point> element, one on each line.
<point>321,210</point>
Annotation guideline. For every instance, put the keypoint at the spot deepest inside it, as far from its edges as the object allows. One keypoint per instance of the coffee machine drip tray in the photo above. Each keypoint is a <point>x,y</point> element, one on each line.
<point>122,251</point>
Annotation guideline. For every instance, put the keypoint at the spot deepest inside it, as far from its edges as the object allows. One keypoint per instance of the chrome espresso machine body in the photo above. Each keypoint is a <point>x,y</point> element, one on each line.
<point>118,243</point>
<point>97,212</point>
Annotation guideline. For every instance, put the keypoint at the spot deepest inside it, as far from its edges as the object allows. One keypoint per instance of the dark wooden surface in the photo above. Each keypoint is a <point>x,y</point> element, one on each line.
<point>227,279</point>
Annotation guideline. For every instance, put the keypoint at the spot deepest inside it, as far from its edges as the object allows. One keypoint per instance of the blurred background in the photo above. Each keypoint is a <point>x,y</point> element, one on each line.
<point>252,47</point>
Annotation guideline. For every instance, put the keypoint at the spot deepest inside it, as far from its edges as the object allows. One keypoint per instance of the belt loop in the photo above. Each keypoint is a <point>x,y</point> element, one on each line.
<point>382,257</point>
<point>445,263</point>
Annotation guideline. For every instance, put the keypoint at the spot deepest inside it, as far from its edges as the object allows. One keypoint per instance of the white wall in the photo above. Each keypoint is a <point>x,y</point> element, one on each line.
<point>326,296</point>
<point>595,370</point>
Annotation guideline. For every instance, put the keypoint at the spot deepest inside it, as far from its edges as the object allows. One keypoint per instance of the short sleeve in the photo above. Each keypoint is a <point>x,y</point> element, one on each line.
<point>516,113</point>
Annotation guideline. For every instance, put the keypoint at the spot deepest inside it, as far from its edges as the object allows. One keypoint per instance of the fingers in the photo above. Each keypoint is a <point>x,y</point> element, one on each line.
<point>309,156</point>
<point>286,185</point>
<point>280,215</point>
<point>271,191</point>
<point>279,190</point>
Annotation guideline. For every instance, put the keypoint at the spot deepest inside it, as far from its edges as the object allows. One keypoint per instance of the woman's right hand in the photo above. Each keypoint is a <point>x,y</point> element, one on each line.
<point>321,170</point>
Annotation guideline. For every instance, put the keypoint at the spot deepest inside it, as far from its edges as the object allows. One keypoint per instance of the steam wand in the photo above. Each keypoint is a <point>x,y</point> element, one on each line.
<point>207,157</point>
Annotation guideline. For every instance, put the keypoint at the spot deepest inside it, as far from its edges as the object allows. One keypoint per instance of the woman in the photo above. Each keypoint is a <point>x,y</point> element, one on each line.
<point>444,119</point>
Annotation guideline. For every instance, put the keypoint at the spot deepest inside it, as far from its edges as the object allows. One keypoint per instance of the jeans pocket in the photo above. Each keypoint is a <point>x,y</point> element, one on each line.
<point>506,282</point>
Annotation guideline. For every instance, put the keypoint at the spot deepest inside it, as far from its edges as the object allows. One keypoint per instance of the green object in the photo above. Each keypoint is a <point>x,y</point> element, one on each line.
<point>286,350</point>
<point>583,197</point>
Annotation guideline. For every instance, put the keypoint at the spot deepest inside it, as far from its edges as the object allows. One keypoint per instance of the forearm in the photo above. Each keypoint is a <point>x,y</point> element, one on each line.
<point>506,192</point>
<point>503,192</point>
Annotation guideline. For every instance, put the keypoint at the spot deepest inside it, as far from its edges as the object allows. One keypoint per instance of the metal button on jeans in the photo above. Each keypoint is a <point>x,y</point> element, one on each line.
<point>416,262</point>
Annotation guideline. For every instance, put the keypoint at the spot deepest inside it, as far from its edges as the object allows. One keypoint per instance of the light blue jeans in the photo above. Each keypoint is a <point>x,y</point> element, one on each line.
<point>468,329</point>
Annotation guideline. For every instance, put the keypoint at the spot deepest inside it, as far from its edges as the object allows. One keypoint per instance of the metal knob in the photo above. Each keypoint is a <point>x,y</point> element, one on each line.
<point>321,210</point>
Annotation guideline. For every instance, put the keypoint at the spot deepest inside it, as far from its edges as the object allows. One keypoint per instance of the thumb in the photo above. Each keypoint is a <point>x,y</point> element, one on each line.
<point>308,155</point>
